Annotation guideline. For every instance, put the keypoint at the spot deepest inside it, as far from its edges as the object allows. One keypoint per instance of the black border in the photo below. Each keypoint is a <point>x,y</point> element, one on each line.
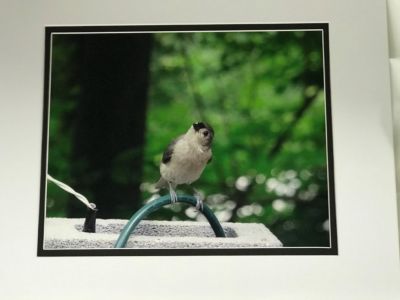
<point>333,250</point>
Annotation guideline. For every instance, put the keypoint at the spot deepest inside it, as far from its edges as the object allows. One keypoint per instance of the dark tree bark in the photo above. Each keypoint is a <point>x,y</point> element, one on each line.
<point>110,121</point>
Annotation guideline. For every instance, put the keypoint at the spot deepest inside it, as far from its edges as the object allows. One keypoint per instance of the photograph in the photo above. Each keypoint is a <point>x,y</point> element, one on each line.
<point>187,140</point>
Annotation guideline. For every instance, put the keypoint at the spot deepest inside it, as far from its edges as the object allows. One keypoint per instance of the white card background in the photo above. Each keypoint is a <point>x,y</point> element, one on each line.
<point>367,266</point>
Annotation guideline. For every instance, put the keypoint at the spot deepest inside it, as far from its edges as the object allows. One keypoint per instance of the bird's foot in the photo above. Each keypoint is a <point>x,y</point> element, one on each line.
<point>173,195</point>
<point>199,202</point>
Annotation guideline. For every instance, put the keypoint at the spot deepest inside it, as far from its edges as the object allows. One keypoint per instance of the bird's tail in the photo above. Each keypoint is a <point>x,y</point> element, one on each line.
<point>162,183</point>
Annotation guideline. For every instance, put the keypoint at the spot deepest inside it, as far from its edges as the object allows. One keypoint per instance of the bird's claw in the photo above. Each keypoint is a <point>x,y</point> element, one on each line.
<point>173,195</point>
<point>199,203</point>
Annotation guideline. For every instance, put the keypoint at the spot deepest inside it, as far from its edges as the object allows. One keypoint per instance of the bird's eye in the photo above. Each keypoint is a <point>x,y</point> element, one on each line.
<point>205,133</point>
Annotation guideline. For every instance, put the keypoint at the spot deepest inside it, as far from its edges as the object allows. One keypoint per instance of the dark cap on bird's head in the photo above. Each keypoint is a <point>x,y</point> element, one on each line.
<point>199,125</point>
<point>205,131</point>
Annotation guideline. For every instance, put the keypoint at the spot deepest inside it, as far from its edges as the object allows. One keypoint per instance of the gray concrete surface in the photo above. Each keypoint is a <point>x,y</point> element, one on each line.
<point>62,233</point>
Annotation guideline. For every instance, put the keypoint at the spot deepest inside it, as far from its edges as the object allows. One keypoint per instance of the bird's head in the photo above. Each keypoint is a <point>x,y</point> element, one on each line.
<point>202,133</point>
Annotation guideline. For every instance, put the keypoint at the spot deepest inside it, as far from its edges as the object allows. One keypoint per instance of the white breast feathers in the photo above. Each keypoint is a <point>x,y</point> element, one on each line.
<point>187,162</point>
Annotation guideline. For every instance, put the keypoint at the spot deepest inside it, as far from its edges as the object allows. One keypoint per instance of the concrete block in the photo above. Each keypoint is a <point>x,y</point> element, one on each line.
<point>62,233</point>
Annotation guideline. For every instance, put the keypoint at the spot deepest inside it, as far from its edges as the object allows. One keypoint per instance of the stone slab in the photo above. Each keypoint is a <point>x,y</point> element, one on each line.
<point>63,233</point>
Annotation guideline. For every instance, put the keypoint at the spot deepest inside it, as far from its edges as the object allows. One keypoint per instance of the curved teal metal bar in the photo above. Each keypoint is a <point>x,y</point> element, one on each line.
<point>158,203</point>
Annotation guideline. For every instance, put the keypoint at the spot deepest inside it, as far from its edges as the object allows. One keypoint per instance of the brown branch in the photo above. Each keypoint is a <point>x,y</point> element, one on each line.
<point>307,78</point>
<point>284,136</point>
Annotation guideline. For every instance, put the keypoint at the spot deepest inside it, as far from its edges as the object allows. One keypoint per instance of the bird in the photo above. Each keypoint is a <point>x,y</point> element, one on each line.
<point>185,159</point>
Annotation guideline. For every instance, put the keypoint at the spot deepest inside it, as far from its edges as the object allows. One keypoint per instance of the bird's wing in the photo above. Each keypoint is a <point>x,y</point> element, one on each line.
<point>209,160</point>
<point>170,149</point>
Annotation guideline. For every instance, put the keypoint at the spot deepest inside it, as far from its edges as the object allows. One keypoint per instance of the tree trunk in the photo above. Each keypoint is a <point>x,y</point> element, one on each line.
<point>110,121</point>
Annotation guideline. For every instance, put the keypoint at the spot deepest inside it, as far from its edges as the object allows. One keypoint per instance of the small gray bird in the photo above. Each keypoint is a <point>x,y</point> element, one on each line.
<point>185,159</point>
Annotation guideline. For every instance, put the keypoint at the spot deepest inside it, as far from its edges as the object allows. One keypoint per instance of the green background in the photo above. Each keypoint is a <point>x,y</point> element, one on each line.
<point>118,100</point>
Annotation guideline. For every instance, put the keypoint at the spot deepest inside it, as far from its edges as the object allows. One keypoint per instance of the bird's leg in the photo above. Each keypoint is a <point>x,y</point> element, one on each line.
<point>199,203</point>
<point>172,193</point>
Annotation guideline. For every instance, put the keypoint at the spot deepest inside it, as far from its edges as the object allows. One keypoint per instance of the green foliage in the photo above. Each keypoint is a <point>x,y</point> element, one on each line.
<point>63,102</point>
<point>249,86</point>
<point>262,92</point>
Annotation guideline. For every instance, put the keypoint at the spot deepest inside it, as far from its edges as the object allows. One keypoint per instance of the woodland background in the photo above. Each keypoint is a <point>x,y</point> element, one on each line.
<point>117,100</point>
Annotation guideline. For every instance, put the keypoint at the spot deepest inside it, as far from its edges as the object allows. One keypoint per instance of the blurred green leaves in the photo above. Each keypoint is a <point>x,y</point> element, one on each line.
<point>262,92</point>
<point>251,87</point>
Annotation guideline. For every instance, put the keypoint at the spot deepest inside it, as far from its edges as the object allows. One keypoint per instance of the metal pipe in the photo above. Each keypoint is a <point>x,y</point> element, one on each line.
<point>158,203</point>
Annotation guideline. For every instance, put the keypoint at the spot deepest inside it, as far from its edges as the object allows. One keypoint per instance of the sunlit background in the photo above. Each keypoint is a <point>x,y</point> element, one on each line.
<point>117,100</point>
